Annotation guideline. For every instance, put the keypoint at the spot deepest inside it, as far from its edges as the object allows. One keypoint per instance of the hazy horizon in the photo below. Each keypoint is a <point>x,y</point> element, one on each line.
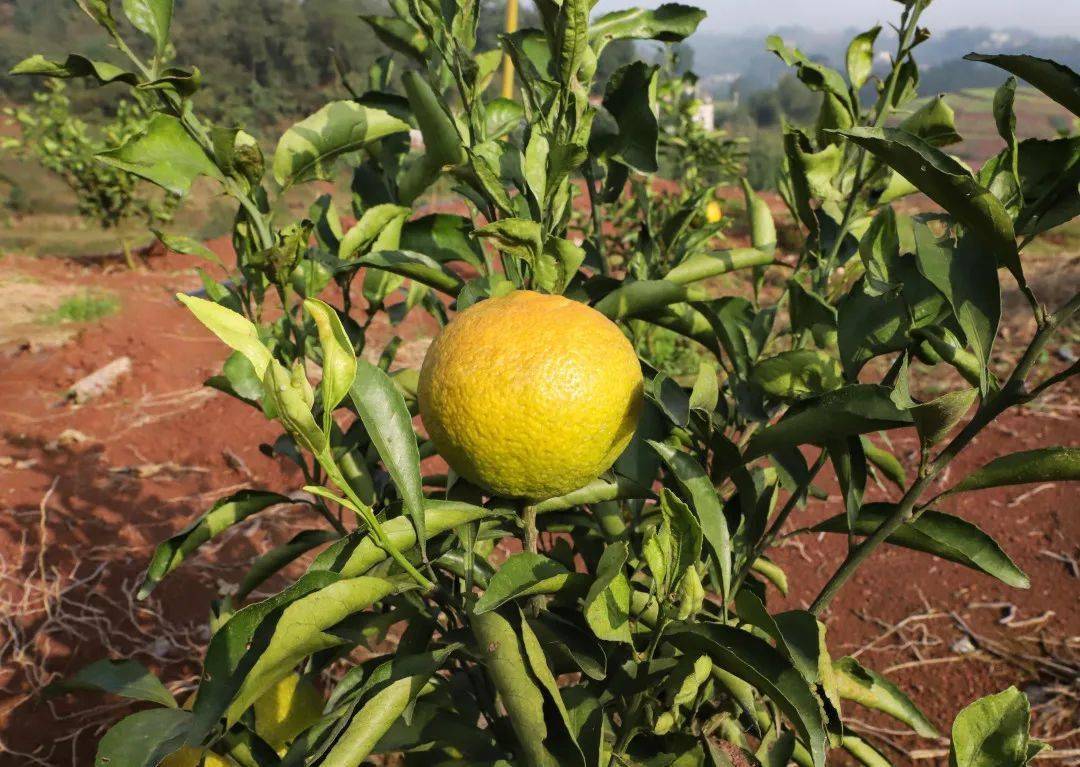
<point>1045,17</point>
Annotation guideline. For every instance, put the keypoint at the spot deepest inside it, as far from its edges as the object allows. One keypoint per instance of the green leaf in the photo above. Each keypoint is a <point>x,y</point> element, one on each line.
<point>163,154</point>
<point>514,660</point>
<point>632,299</point>
<point>762,226</point>
<point>1047,464</point>
<point>698,488</point>
<point>143,739</point>
<point>871,325</point>
<point>359,552</point>
<point>236,646</point>
<point>801,650</point>
<point>521,574</point>
<point>246,748</point>
<point>127,678</point>
<point>811,312</point>
<point>860,57</point>
<point>442,142</point>
<point>798,374</point>
<point>1050,183</point>
<point>570,43</point>
<point>535,166</point>
<point>152,18</point>
<point>798,194</point>
<point>940,534</point>
<point>566,257</point>
<point>670,398</point>
<point>399,35</point>
<point>607,605</point>
<point>291,398</point>
<point>226,512</point>
<point>867,755</point>
<point>670,23</point>
<point>100,12</point>
<point>389,426</point>
<point>308,149</point>
<point>849,463</point>
<point>702,266</point>
<point>885,462</point>
<point>188,246</point>
<point>705,395</point>
<point>370,231</point>
<point>1005,119</point>
<point>755,661</point>
<point>871,689</point>
<point>992,732</point>
<point>854,409</point>
<point>969,281</point>
<point>75,66</point>
<point>373,721</point>
<point>815,76</point>
<point>683,531</point>
<point>303,627</point>
<point>443,237</point>
<point>415,266</point>
<point>1055,80</point>
<point>519,237</point>
<point>279,557</point>
<point>630,97</point>
<point>833,115</point>
<point>936,418</point>
<point>879,249</point>
<point>184,82</point>
<point>392,687</point>
<point>501,116</point>
<point>597,491</point>
<point>949,184</point>
<point>934,122</point>
<point>772,572</point>
<point>339,358</point>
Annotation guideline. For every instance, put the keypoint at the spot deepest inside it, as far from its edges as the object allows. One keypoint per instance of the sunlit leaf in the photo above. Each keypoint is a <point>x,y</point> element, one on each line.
<point>222,515</point>
<point>940,534</point>
<point>1046,464</point>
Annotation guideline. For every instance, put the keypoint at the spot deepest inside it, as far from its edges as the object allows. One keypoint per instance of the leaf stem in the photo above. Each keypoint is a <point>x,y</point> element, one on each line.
<point>1012,393</point>
<point>781,518</point>
<point>594,215</point>
<point>332,471</point>
<point>530,543</point>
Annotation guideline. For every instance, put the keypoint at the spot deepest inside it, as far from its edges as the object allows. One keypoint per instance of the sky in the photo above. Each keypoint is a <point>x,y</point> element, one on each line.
<point>1051,17</point>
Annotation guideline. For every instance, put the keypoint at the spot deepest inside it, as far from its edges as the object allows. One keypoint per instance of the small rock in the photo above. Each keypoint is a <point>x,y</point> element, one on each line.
<point>100,381</point>
<point>68,438</point>
<point>963,646</point>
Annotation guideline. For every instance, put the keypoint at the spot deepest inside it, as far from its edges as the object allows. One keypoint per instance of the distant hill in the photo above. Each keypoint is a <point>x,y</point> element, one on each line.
<point>722,59</point>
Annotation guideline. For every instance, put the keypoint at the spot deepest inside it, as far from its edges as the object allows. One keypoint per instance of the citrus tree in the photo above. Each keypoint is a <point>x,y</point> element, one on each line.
<point>53,136</point>
<point>632,625</point>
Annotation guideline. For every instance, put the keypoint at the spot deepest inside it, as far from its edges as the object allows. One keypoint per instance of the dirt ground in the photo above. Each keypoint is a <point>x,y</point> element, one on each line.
<point>87,490</point>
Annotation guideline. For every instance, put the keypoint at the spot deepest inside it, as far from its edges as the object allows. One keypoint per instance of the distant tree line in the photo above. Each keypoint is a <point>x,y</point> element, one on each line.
<point>268,61</point>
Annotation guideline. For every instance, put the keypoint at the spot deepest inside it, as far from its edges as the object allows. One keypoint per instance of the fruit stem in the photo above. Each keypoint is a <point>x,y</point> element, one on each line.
<point>528,520</point>
<point>530,540</point>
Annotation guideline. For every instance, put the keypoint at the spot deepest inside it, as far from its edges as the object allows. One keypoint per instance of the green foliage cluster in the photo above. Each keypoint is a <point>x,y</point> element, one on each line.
<point>262,60</point>
<point>639,630</point>
<point>61,142</point>
<point>85,307</point>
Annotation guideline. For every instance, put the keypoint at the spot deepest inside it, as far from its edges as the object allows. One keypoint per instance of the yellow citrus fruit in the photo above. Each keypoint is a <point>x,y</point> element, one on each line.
<point>286,710</point>
<point>189,756</point>
<point>530,395</point>
<point>713,212</point>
